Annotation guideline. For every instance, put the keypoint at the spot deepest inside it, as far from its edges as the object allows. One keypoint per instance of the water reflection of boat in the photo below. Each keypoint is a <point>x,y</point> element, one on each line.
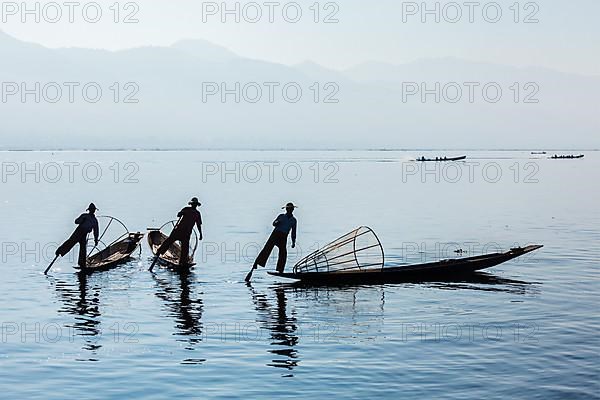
<point>175,289</point>
<point>476,281</point>
<point>82,302</point>
<point>282,326</point>
<point>485,282</point>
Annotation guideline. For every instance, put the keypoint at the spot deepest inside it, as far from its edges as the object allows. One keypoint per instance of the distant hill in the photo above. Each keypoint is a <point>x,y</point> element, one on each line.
<point>367,107</point>
<point>205,50</point>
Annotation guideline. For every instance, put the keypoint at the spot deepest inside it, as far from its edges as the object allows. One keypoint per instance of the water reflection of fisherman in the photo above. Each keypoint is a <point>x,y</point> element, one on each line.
<point>187,310</point>
<point>282,326</point>
<point>84,308</point>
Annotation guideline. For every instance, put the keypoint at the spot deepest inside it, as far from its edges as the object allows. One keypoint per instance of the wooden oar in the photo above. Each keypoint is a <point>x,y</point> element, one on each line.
<point>51,264</point>
<point>154,262</point>
<point>58,255</point>
<point>249,276</point>
<point>89,254</point>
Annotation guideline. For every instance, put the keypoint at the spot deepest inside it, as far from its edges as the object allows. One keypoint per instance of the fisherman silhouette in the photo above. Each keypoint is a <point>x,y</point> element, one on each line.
<point>283,225</point>
<point>86,223</point>
<point>182,232</point>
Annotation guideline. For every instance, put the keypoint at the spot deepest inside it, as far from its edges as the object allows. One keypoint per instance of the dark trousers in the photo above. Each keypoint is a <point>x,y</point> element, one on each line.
<point>184,240</point>
<point>78,237</point>
<point>278,239</point>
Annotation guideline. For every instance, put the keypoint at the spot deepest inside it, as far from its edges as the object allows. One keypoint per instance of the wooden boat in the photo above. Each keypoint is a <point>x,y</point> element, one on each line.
<point>423,159</point>
<point>439,270</point>
<point>169,259</point>
<point>114,254</point>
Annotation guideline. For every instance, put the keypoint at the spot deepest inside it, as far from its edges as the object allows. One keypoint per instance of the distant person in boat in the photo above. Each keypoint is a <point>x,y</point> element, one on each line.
<point>86,223</point>
<point>182,232</point>
<point>284,224</point>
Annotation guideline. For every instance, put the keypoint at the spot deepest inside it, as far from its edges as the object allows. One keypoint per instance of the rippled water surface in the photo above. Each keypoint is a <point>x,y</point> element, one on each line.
<point>525,329</point>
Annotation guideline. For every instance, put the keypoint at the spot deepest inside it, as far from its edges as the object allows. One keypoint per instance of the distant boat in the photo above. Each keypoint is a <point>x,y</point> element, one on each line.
<point>567,157</point>
<point>538,152</point>
<point>437,159</point>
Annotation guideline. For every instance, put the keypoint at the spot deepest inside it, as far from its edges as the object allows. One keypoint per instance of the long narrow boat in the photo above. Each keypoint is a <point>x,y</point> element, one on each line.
<point>442,159</point>
<point>169,259</point>
<point>412,273</point>
<point>569,157</point>
<point>114,254</point>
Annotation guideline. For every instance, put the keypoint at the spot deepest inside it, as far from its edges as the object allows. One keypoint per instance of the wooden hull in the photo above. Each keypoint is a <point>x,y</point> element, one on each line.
<point>171,257</point>
<point>412,273</point>
<point>579,157</point>
<point>114,255</point>
<point>442,160</point>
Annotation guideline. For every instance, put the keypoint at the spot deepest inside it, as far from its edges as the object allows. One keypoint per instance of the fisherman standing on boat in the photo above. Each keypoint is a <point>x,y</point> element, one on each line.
<point>86,223</point>
<point>283,225</point>
<point>188,218</point>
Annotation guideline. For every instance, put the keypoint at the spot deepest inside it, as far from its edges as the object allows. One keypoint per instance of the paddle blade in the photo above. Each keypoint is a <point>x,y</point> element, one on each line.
<point>153,264</point>
<point>50,266</point>
<point>249,276</point>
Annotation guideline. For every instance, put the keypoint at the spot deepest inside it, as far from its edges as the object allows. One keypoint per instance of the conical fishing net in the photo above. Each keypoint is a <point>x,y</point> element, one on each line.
<point>111,231</point>
<point>356,251</point>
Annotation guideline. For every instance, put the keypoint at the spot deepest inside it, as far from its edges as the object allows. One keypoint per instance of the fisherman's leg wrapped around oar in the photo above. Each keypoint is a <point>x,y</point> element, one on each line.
<point>164,247</point>
<point>78,237</point>
<point>278,239</point>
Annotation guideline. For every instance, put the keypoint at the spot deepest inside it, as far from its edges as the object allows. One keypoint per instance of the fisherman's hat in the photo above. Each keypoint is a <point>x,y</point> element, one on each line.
<point>195,202</point>
<point>91,207</point>
<point>289,205</point>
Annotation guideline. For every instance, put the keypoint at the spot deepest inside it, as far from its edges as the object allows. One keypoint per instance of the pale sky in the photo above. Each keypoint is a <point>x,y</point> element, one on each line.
<point>566,38</point>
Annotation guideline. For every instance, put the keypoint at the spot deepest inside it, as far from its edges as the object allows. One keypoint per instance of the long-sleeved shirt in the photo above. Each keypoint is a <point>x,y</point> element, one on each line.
<point>286,223</point>
<point>88,223</point>
<point>189,217</point>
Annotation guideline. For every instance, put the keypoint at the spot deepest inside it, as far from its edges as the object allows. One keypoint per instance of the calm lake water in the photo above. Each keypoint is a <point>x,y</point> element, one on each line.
<point>526,329</point>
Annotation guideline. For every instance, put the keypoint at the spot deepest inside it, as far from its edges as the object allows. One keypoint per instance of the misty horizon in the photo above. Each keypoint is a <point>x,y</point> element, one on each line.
<point>185,40</point>
<point>370,106</point>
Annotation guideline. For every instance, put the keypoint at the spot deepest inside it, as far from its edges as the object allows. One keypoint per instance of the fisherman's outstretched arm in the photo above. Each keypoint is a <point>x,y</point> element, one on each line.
<point>294,226</point>
<point>199,226</point>
<point>96,231</point>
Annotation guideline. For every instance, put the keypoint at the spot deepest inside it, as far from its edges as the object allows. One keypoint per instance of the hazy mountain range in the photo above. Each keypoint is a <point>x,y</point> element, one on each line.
<point>373,109</point>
